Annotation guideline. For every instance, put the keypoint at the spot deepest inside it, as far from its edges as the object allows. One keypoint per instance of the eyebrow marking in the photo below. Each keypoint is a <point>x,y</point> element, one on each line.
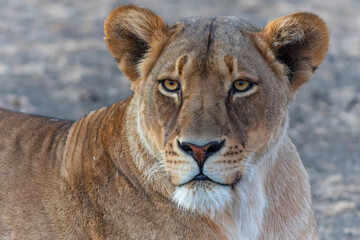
<point>181,63</point>
<point>229,60</point>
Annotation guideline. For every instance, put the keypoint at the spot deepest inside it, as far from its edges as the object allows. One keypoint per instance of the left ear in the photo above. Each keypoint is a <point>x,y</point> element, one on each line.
<point>300,41</point>
<point>135,34</point>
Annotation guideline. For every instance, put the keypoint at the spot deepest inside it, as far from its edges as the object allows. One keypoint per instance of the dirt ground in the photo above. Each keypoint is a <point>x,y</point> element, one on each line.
<point>53,61</point>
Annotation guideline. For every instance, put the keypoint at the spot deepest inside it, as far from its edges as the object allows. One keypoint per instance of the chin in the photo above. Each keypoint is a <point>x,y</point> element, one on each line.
<point>203,197</point>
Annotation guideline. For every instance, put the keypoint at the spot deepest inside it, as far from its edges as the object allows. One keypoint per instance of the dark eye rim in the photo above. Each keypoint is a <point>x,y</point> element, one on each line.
<point>169,90</point>
<point>251,84</point>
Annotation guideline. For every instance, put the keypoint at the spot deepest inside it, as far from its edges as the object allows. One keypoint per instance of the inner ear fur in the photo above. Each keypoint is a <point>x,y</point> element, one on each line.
<point>300,41</point>
<point>133,34</point>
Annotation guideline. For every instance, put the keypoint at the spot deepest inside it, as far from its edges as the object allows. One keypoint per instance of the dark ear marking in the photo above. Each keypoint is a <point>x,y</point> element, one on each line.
<point>290,76</point>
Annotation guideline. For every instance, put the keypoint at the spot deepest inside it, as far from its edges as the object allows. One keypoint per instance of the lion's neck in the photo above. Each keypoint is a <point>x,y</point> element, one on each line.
<point>264,194</point>
<point>84,148</point>
<point>145,156</point>
<point>245,217</point>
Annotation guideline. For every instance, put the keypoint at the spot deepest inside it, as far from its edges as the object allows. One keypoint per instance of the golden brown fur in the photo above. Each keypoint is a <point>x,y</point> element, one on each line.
<point>122,172</point>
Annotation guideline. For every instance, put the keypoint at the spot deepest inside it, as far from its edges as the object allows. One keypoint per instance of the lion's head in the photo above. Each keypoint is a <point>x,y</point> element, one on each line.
<point>213,93</point>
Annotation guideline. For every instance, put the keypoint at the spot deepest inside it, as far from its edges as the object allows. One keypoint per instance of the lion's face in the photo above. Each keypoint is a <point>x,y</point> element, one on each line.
<point>211,105</point>
<point>212,93</point>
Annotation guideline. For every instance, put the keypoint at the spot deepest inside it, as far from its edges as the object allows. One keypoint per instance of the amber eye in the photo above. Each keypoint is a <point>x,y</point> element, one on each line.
<point>170,85</point>
<point>242,85</point>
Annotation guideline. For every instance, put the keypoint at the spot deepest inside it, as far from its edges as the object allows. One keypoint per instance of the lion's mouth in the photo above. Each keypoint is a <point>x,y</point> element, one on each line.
<point>203,178</point>
<point>200,177</point>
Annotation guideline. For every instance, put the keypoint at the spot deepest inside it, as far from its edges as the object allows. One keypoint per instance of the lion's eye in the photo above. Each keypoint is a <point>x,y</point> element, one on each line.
<point>242,85</point>
<point>170,85</point>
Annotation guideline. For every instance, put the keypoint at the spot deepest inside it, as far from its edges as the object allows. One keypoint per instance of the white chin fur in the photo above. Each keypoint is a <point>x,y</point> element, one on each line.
<point>203,197</point>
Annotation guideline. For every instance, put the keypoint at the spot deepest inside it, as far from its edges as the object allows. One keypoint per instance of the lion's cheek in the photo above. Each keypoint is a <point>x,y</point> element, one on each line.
<point>153,132</point>
<point>257,138</point>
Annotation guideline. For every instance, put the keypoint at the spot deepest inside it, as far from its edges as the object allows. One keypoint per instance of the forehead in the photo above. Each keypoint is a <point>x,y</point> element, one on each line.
<point>206,31</point>
<point>210,39</point>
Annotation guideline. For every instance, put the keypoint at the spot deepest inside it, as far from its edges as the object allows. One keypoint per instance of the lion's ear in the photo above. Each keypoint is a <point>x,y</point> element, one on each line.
<point>131,33</point>
<point>300,41</point>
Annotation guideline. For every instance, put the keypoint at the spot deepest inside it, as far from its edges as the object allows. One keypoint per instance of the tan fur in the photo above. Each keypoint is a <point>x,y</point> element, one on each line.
<point>119,172</point>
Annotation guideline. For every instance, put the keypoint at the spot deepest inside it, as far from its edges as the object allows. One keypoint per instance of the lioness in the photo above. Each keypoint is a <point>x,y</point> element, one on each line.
<point>200,151</point>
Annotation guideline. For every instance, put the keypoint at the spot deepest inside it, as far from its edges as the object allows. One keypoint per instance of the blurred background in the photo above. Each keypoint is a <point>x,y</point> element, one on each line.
<point>53,61</point>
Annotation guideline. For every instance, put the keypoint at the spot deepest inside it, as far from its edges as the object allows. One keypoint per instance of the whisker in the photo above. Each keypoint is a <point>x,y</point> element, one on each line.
<point>155,172</point>
<point>147,161</point>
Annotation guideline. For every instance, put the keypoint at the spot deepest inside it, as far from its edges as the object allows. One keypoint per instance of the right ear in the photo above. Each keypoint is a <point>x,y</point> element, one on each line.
<point>133,34</point>
<point>300,41</point>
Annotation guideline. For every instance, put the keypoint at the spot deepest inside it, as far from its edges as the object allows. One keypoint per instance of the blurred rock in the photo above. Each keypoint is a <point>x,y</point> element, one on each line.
<point>337,208</point>
<point>17,103</point>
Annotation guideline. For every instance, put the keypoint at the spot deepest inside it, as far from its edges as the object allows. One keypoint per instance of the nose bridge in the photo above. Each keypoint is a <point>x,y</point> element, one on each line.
<point>202,117</point>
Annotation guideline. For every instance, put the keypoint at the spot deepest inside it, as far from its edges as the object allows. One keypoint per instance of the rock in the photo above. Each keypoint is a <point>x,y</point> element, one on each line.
<point>338,208</point>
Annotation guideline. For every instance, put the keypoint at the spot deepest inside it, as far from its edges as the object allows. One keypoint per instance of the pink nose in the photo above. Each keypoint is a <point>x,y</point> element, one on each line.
<point>201,153</point>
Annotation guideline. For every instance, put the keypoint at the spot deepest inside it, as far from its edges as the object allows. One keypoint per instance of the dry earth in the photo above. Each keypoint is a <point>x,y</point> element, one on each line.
<point>53,61</point>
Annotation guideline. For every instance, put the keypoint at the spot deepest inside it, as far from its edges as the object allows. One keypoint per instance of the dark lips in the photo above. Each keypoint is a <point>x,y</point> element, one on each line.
<point>200,177</point>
